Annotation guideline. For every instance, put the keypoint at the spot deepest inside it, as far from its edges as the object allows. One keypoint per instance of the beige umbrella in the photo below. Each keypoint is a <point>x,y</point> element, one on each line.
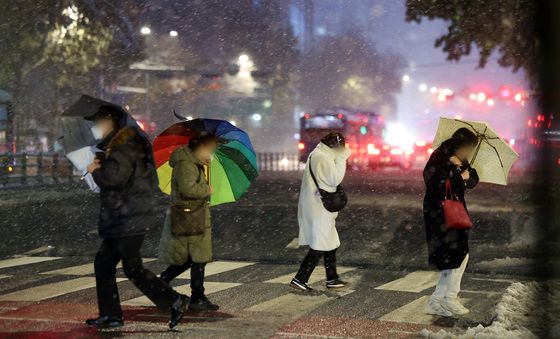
<point>493,156</point>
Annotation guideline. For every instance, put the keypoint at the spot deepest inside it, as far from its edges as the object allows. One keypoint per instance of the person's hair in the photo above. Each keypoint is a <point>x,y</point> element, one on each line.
<point>108,112</point>
<point>116,116</point>
<point>334,139</point>
<point>203,139</point>
<point>464,137</point>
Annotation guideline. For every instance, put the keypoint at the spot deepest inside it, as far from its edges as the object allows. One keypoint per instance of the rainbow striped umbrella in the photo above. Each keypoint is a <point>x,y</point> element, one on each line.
<point>231,172</point>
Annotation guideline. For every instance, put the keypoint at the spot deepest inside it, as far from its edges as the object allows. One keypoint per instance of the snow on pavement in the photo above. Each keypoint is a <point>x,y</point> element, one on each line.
<point>526,311</point>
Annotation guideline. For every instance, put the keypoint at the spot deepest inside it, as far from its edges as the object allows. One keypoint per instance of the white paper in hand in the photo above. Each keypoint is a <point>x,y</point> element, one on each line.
<point>81,158</point>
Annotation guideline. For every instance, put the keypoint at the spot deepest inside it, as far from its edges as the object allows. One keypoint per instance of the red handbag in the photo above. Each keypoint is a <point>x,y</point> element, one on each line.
<point>454,212</point>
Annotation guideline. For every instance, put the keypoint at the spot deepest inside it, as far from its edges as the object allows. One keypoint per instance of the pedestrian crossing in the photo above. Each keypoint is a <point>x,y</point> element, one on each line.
<point>408,291</point>
<point>51,290</point>
<point>24,260</point>
<point>413,282</point>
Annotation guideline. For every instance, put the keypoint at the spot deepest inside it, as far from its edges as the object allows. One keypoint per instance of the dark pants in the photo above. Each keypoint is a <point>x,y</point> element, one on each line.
<point>197,276</point>
<point>312,259</point>
<point>127,249</point>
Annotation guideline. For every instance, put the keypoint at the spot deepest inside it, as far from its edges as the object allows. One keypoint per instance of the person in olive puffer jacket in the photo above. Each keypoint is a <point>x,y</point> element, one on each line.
<point>190,189</point>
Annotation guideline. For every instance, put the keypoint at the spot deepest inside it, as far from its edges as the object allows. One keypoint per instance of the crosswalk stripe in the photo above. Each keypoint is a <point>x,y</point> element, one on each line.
<point>84,269</point>
<point>294,244</point>
<point>217,267</point>
<point>295,304</point>
<point>318,274</point>
<point>51,290</point>
<point>412,282</point>
<point>209,288</point>
<point>25,260</point>
<point>412,312</point>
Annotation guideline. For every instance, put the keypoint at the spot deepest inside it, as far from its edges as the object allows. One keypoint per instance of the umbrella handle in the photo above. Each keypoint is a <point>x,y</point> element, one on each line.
<point>480,137</point>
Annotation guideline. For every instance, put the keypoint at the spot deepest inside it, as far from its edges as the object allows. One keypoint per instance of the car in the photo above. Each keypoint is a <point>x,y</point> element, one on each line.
<point>389,156</point>
<point>422,151</point>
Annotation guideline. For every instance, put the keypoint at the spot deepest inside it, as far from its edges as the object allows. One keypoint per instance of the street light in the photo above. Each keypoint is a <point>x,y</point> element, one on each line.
<point>173,33</point>
<point>145,30</point>
<point>256,117</point>
<point>423,87</point>
<point>244,61</point>
<point>406,78</point>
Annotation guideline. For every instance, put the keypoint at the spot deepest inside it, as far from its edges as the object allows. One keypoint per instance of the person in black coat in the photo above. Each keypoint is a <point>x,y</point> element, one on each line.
<point>448,249</point>
<point>127,180</point>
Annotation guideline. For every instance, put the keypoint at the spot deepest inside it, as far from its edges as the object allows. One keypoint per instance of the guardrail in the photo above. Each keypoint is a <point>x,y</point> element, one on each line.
<point>37,168</point>
<point>51,168</point>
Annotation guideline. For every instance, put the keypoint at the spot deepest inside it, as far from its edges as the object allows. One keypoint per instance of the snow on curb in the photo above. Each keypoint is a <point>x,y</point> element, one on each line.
<point>521,313</point>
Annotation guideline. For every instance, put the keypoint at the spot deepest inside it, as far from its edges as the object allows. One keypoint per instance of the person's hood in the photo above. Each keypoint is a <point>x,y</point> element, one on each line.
<point>342,153</point>
<point>183,154</point>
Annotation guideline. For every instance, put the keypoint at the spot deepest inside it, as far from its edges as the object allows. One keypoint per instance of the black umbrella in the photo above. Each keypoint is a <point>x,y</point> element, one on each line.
<point>88,106</point>
<point>78,139</point>
<point>76,133</point>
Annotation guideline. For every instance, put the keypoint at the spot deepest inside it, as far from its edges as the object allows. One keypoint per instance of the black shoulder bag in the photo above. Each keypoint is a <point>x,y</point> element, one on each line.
<point>333,202</point>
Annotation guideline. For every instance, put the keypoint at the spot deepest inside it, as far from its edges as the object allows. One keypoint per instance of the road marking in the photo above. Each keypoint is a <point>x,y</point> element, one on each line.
<point>303,335</point>
<point>412,282</point>
<point>412,312</point>
<point>217,267</point>
<point>509,281</point>
<point>209,288</point>
<point>84,269</point>
<point>318,274</point>
<point>52,290</point>
<point>58,321</point>
<point>38,250</point>
<point>20,261</point>
<point>295,304</point>
<point>294,244</point>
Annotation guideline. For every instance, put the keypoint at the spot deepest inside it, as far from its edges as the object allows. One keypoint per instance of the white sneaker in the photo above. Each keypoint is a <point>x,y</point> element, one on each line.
<point>434,307</point>
<point>454,306</point>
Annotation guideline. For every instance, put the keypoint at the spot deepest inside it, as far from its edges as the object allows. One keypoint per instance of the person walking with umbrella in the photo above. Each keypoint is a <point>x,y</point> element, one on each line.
<point>448,248</point>
<point>326,167</point>
<point>127,180</point>
<point>186,240</point>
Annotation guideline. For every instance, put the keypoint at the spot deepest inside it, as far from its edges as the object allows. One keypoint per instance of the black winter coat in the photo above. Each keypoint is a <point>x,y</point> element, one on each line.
<point>446,247</point>
<point>128,181</point>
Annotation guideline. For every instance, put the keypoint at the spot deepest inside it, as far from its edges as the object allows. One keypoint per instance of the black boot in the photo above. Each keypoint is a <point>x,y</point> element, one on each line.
<point>105,322</point>
<point>178,310</point>
<point>173,271</point>
<point>203,304</point>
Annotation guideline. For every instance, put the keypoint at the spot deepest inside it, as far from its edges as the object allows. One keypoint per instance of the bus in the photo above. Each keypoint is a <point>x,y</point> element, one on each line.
<point>363,132</point>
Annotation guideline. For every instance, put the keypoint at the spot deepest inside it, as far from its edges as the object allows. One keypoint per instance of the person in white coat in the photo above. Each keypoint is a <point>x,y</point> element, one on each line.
<point>317,227</point>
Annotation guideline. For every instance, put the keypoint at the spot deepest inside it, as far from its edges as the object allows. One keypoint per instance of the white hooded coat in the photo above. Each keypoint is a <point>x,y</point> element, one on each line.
<point>316,224</point>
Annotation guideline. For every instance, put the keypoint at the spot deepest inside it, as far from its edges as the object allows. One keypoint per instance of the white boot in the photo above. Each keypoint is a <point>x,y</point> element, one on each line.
<point>454,306</point>
<point>434,306</point>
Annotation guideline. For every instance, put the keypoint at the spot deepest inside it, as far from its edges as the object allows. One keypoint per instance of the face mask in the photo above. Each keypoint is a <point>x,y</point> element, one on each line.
<point>97,133</point>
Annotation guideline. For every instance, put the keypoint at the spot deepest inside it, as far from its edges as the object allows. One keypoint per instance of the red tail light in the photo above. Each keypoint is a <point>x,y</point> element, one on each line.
<point>301,146</point>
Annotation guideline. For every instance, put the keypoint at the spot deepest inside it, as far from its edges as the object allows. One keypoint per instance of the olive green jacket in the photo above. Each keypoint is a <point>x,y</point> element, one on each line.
<point>188,189</point>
